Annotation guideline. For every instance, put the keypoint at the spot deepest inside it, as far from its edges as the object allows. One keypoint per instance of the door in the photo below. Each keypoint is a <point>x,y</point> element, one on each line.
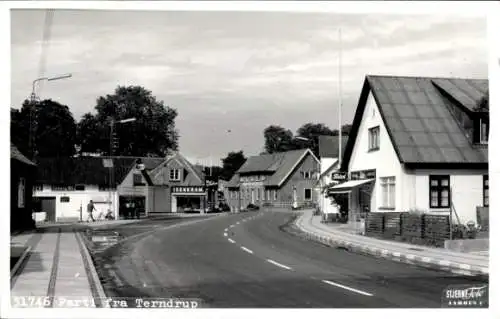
<point>48,205</point>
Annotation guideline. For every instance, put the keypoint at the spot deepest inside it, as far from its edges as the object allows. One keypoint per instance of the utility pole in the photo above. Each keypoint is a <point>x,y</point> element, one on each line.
<point>112,168</point>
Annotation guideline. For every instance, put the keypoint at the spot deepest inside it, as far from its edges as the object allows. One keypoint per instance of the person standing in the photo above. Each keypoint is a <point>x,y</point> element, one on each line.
<point>90,210</point>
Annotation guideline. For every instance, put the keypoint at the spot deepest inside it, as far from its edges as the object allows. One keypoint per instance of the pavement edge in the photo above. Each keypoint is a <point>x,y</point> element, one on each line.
<point>20,262</point>
<point>462,269</point>
<point>94,282</point>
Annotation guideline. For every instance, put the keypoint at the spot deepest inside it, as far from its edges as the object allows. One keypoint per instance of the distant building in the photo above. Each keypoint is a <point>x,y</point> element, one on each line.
<point>64,186</point>
<point>418,144</point>
<point>329,158</point>
<point>22,173</point>
<point>284,179</point>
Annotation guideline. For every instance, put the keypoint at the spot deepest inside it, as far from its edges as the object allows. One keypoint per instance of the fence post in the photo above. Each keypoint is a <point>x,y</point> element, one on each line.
<point>383,223</point>
<point>422,226</point>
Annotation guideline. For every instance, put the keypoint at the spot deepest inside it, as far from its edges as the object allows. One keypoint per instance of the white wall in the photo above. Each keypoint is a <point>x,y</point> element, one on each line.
<point>77,199</point>
<point>325,203</point>
<point>466,187</point>
<point>384,160</point>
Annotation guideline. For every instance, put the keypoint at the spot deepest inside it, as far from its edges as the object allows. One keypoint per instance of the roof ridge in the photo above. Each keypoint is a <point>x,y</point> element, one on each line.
<point>423,77</point>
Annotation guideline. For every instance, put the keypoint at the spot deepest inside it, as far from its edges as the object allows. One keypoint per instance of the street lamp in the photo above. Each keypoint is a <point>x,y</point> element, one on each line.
<point>33,98</point>
<point>112,123</point>
<point>52,78</point>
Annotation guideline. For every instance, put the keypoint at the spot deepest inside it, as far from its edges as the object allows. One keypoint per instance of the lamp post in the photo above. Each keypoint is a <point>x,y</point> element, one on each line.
<point>33,98</point>
<point>112,123</point>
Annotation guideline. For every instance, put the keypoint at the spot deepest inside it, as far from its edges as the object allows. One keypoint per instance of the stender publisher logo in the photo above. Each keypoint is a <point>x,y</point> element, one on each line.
<point>465,296</point>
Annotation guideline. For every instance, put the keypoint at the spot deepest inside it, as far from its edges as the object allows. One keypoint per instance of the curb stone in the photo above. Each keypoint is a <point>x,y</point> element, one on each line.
<point>427,262</point>
<point>94,282</point>
<point>21,261</point>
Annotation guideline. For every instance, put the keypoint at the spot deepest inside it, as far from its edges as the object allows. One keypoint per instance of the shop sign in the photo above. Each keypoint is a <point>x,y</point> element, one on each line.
<point>365,174</point>
<point>187,189</point>
<point>339,176</point>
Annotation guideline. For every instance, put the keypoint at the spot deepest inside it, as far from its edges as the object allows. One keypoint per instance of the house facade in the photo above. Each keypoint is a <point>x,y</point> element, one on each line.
<point>22,172</point>
<point>286,179</point>
<point>64,186</point>
<point>329,166</point>
<point>180,186</point>
<point>418,144</point>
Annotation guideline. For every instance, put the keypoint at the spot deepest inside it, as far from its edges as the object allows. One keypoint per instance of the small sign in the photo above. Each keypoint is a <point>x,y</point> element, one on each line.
<point>365,174</point>
<point>187,189</point>
<point>339,176</point>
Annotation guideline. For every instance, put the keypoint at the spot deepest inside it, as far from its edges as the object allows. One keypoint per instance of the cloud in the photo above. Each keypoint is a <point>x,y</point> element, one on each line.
<point>239,70</point>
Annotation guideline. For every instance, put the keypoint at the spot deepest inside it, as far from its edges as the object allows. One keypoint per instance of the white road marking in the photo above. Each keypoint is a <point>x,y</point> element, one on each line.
<point>231,226</point>
<point>225,234</point>
<point>347,288</point>
<point>247,250</point>
<point>278,264</point>
<point>231,241</point>
<point>237,223</point>
<point>225,230</point>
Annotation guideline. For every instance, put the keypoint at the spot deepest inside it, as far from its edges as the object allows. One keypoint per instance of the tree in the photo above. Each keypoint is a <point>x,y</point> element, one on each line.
<point>153,133</point>
<point>231,163</point>
<point>278,139</point>
<point>308,136</point>
<point>346,129</point>
<point>43,129</point>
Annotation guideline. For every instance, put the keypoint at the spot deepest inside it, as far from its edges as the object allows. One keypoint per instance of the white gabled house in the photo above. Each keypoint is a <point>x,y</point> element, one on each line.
<point>418,144</point>
<point>329,166</point>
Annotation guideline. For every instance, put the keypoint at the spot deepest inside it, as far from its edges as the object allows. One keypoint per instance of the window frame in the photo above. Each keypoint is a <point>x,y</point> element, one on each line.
<point>483,136</point>
<point>21,192</point>
<point>486,187</point>
<point>388,188</point>
<point>176,175</point>
<point>439,188</point>
<point>371,133</point>
<point>275,195</point>
<point>310,194</point>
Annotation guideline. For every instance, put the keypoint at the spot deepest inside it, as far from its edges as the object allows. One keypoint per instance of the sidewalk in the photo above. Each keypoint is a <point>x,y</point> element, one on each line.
<point>56,265</point>
<point>436,258</point>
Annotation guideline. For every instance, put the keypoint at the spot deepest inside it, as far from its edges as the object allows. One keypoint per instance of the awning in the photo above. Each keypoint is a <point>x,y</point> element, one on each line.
<point>347,187</point>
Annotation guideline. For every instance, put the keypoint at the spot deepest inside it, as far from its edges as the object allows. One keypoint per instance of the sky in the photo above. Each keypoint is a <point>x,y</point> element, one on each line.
<point>232,74</point>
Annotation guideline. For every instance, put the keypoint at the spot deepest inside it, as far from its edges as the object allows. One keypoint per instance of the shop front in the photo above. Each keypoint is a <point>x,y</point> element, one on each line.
<point>188,199</point>
<point>354,195</point>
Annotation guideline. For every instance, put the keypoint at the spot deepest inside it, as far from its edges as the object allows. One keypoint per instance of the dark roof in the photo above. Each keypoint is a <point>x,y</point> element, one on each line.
<point>329,145</point>
<point>15,154</point>
<point>415,111</point>
<point>280,165</point>
<point>87,170</point>
<point>197,170</point>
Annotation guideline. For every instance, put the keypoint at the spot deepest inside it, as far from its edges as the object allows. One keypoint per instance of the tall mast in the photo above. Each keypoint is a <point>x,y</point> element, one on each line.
<point>340,96</point>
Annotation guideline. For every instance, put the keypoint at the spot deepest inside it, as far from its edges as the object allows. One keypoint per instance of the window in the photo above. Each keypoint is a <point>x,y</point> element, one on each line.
<point>64,199</point>
<point>138,180</point>
<point>21,192</point>
<point>388,186</point>
<point>258,193</point>
<point>79,187</point>
<point>38,187</point>
<point>439,191</point>
<point>374,138</point>
<point>483,132</point>
<point>268,194</point>
<point>175,175</point>
<point>307,175</point>
<point>307,194</point>
<point>486,191</point>
<point>275,194</point>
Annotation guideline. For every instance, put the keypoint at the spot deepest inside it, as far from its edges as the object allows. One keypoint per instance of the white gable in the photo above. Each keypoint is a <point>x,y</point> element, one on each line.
<point>384,160</point>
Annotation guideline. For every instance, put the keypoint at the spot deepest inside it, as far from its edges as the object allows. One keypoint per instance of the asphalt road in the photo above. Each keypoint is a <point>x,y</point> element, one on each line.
<point>248,260</point>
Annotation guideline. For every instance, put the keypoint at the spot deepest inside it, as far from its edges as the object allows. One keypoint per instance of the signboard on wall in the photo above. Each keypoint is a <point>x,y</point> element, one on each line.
<point>187,189</point>
<point>365,174</point>
<point>339,176</point>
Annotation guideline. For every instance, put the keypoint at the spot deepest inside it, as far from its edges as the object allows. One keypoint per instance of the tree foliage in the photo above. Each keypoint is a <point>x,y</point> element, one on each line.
<point>153,133</point>
<point>52,128</point>
<point>279,139</point>
<point>231,163</point>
